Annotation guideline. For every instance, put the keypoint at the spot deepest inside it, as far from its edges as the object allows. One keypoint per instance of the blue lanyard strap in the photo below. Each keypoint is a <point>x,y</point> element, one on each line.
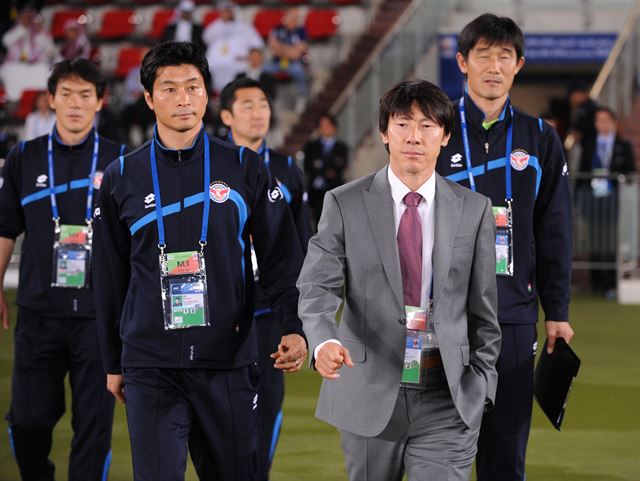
<point>265,153</point>
<point>467,151</point>
<point>465,141</point>
<point>92,173</point>
<point>507,159</point>
<point>156,192</point>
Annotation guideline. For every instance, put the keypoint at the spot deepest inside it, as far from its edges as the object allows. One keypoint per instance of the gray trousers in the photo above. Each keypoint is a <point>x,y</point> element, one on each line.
<point>424,438</point>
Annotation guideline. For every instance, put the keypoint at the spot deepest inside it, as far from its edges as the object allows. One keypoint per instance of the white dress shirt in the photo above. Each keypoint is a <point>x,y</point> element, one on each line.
<point>604,144</point>
<point>426,212</point>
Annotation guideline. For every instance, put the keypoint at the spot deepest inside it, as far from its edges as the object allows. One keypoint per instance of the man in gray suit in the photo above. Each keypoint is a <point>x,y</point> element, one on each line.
<point>412,256</point>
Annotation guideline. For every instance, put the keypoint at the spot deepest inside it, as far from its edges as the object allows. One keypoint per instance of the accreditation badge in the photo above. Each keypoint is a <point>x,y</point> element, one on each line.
<point>503,217</point>
<point>421,343</point>
<point>71,256</point>
<point>183,282</point>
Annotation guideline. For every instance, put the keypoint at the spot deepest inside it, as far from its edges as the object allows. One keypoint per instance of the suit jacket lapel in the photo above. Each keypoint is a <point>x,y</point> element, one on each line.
<point>379,204</point>
<point>448,210</point>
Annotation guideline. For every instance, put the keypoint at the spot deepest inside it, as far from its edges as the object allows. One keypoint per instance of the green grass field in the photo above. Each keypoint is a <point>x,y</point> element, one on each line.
<point>600,439</point>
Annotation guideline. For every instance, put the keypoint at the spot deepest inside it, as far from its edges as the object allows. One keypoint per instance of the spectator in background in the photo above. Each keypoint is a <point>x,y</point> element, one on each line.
<point>27,41</point>
<point>605,154</point>
<point>183,28</point>
<point>76,42</point>
<point>255,71</point>
<point>288,44</point>
<point>137,118</point>
<point>325,160</point>
<point>229,40</point>
<point>582,125</point>
<point>41,120</point>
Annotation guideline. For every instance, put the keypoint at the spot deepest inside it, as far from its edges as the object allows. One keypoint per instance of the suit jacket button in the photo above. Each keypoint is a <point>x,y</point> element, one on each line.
<point>402,321</point>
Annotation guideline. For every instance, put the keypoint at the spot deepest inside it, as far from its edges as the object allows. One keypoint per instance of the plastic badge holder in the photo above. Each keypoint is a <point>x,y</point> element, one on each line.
<point>504,240</point>
<point>183,280</point>
<point>421,343</point>
<point>71,256</point>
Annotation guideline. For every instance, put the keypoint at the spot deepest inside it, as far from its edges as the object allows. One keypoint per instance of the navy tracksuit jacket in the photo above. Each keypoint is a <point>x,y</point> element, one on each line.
<point>127,276</point>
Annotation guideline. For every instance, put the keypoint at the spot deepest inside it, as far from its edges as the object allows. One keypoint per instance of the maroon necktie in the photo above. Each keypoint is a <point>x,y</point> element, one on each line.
<point>410,250</point>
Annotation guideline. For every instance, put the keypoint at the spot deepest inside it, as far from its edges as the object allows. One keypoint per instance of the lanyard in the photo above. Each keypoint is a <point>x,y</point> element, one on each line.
<point>507,156</point>
<point>156,193</point>
<point>52,195</point>
<point>263,151</point>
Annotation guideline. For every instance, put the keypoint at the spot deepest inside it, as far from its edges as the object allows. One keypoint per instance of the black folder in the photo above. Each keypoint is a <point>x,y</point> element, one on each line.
<point>553,378</point>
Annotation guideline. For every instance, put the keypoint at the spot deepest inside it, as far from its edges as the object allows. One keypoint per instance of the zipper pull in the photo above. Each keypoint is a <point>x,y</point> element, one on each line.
<point>179,156</point>
<point>486,147</point>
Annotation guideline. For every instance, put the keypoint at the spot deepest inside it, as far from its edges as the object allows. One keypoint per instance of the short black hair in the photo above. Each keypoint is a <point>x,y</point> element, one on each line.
<point>609,111</point>
<point>77,67</point>
<point>494,30</point>
<point>429,98</point>
<point>172,54</point>
<point>228,94</point>
<point>330,117</point>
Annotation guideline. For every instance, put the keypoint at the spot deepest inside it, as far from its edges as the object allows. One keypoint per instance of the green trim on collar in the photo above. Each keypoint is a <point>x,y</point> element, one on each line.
<point>486,125</point>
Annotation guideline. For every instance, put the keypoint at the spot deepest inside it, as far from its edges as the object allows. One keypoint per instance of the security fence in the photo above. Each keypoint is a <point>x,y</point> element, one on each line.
<point>606,226</point>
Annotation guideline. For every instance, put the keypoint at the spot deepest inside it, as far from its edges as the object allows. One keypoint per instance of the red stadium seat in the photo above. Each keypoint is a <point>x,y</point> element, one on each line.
<point>210,17</point>
<point>60,18</point>
<point>294,2</point>
<point>117,24</point>
<point>161,18</point>
<point>322,24</point>
<point>128,58</point>
<point>27,102</point>
<point>267,20</point>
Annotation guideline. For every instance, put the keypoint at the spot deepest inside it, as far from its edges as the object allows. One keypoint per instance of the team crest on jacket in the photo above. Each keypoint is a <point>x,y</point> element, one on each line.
<point>219,192</point>
<point>97,179</point>
<point>519,159</point>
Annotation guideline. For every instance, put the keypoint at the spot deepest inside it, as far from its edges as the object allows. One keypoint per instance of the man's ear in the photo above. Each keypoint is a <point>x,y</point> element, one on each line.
<point>149,99</point>
<point>227,117</point>
<point>462,63</point>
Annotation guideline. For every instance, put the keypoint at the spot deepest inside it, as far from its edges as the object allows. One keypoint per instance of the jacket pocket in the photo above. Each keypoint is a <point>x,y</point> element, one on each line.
<point>464,350</point>
<point>357,349</point>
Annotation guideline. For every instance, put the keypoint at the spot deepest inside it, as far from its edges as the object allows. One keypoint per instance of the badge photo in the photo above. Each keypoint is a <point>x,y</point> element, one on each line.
<point>219,192</point>
<point>519,159</point>
<point>97,179</point>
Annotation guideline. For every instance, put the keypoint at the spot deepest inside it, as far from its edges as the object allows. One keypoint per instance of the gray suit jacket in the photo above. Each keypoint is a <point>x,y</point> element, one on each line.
<point>354,257</point>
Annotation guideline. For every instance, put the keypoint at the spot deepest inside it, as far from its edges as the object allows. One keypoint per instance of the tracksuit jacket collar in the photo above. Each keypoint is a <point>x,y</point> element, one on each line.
<point>88,140</point>
<point>174,157</point>
<point>475,115</point>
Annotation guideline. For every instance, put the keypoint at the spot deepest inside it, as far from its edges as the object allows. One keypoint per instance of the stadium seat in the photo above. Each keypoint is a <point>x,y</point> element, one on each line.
<point>60,17</point>
<point>321,24</point>
<point>345,2</point>
<point>294,2</point>
<point>117,24</point>
<point>267,20</point>
<point>128,58</point>
<point>27,102</point>
<point>210,17</point>
<point>161,18</point>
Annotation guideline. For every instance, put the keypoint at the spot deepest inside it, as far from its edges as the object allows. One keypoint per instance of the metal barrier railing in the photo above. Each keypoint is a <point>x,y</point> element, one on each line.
<point>619,78</point>
<point>606,223</point>
<point>391,62</point>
